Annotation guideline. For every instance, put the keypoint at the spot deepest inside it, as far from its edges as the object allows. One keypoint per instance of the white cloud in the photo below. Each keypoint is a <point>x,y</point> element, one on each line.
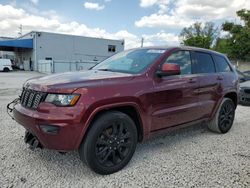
<point>11,18</point>
<point>93,6</point>
<point>148,3</point>
<point>131,40</point>
<point>182,13</point>
<point>210,10</point>
<point>35,2</point>
<point>162,38</point>
<point>162,4</point>
<point>162,21</point>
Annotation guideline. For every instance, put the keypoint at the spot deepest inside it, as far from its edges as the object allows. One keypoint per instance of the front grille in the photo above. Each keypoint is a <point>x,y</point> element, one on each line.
<point>31,98</point>
<point>247,91</point>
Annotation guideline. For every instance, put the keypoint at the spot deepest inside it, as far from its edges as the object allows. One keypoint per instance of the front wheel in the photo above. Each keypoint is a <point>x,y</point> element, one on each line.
<point>224,117</point>
<point>110,143</point>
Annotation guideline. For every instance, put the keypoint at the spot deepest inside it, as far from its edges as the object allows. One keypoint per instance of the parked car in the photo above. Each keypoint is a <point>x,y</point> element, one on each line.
<point>105,111</point>
<point>242,76</point>
<point>245,93</point>
<point>5,65</point>
<point>247,73</point>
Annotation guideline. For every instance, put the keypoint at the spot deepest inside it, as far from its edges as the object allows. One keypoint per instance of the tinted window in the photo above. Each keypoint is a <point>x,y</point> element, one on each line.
<point>221,64</point>
<point>181,58</point>
<point>204,63</point>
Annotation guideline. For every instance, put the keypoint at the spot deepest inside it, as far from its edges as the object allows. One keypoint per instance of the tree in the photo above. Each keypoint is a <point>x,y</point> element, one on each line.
<point>199,35</point>
<point>239,41</point>
<point>222,45</point>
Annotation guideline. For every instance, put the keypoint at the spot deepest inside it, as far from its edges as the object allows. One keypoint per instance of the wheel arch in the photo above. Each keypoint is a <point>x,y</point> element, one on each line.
<point>233,96</point>
<point>130,109</point>
<point>6,69</point>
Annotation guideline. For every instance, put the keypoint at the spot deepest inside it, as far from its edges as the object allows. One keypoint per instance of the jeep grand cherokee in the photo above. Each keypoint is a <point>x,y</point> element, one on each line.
<point>105,111</point>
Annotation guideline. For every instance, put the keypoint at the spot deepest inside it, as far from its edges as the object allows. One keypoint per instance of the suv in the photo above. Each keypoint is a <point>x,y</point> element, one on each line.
<point>105,111</point>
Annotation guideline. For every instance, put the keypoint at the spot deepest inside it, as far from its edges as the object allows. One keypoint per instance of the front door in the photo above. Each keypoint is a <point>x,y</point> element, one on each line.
<point>175,97</point>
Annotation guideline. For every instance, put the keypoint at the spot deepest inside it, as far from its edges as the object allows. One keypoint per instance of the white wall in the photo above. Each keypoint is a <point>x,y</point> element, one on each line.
<point>73,48</point>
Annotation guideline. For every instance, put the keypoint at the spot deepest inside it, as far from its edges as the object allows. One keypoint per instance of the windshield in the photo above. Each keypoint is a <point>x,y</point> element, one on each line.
<point>131,61</point>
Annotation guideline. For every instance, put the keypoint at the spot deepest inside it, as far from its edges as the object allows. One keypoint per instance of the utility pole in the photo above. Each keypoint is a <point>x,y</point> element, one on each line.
<point>20,33</point>
<point>142,41</point>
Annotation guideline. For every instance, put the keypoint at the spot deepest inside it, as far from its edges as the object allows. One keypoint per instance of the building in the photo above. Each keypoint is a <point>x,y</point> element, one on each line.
<point>35,48</point>
<point>6,54</point>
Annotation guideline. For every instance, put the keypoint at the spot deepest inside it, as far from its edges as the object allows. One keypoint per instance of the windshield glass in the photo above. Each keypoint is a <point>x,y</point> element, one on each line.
<point>131,61</point>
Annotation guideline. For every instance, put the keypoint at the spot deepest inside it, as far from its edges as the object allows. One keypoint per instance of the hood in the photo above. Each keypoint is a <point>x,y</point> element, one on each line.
<point>70,81</point>
<point>245,84</point>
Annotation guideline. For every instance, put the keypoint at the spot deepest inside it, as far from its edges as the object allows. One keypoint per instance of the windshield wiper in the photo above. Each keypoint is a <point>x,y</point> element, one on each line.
<point>105,70</point>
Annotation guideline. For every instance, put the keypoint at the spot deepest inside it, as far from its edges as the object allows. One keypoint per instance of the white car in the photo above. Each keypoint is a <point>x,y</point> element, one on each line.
<point>5,65</point>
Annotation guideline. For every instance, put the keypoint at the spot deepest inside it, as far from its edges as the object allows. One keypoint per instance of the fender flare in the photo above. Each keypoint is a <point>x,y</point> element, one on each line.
<point>93,114</point>
<point>221,99</point>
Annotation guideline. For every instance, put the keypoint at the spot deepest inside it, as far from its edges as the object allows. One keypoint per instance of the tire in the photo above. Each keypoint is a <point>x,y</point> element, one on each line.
<point>6,69</point>
<point>224,117</point>
<point>110,143</point>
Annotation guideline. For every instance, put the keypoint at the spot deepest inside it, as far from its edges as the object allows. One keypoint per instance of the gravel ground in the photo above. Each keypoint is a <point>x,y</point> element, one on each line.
<point>190,157</point>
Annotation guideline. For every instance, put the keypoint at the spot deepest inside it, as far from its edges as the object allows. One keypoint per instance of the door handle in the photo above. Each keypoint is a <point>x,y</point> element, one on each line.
<point>191,80</point>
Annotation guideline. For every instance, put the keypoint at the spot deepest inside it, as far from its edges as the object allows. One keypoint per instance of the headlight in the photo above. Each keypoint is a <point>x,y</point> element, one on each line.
<point>62,99</point>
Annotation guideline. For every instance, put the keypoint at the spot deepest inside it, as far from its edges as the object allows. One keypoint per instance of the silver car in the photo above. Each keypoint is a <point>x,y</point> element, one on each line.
<point>245,93</point>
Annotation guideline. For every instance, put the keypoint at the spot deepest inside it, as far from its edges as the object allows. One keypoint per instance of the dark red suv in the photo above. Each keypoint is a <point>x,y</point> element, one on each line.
<point>105,111</point>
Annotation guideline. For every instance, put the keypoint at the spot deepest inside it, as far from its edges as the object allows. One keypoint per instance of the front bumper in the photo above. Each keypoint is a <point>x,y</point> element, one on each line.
<point>66,120</point>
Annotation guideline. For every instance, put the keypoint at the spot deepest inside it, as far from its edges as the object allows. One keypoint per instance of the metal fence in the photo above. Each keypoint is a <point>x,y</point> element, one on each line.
<point>56,66</point>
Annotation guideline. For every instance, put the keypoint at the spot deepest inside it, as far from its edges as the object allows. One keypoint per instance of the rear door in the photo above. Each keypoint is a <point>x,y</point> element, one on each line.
<point>210,89</point>
<point>175,98</point>
<point>226,72</point>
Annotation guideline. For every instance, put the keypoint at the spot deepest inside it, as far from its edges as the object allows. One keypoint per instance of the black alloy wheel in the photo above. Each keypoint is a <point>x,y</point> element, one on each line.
<point>110,143</point>
<point>113,144</point>
<point>226,116</point>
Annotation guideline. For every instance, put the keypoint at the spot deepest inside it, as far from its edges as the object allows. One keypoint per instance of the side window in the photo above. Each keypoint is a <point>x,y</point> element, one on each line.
<point>204,63</point>
<point>221,64</point>
<point>181,58</point>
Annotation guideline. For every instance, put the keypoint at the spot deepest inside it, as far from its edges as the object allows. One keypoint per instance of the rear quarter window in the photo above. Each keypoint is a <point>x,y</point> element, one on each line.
<point>221,64</point>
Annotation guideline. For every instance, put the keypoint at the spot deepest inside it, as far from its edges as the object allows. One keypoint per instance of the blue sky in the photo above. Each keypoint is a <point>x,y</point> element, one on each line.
<point>158,21</point>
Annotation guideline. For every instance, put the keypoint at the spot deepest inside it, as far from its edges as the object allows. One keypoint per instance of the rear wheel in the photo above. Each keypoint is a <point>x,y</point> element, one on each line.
<point>224,117</point>
<point>110,143</point>
<point>6,69</point>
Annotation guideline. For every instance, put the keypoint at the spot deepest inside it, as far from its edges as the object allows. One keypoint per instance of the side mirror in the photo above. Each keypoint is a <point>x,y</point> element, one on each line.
<point>169,69</point>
